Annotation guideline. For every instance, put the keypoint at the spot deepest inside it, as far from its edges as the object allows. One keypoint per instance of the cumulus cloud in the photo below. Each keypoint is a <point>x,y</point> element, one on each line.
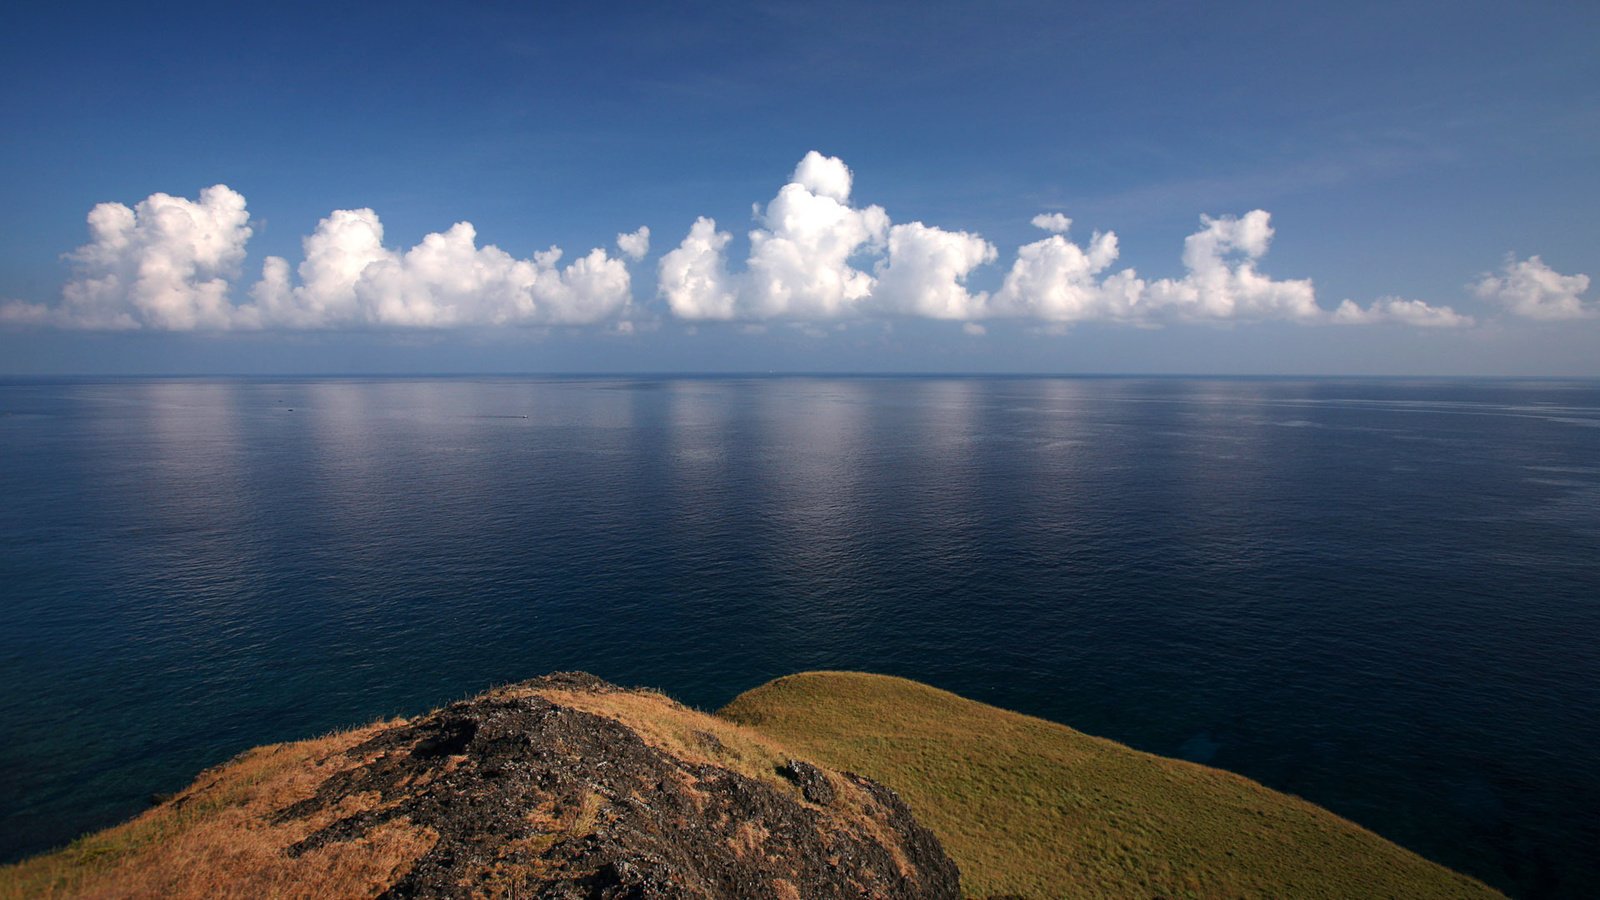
<point>693,278</point>
<point>799,265</point>
<point>348,277</point>
<point>165,263</point>
<point>634,245</point>
<point>1532,289</point>
<point>1052,222</point>
<point>809,259</point>
<point>1398,311</point>
<point>169,263</point>
<point>1058,281</point>
<point>1222,280</point>
<point>926,270</point>
<point>814,255</point>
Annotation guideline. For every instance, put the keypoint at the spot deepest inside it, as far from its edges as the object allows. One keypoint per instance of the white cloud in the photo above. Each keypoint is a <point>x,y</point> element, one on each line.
<point>1055,280</point>
<point>169,263</point>
<point>693,278</point>
<point>1398,311</point>
<point>1222,282</point>
<point>1053,222</point>
<point>824,176</point>
<point>635,245</point>
<point>18,312</point>
<point>336,254</point>
<point>348,278</point>
<point>801,260</point>
<point>926,271</point>
<point>799,265</point>
<point>1532,289</point>
<point>165,263</point>
<point>974,329</point>
<point>808,258</point>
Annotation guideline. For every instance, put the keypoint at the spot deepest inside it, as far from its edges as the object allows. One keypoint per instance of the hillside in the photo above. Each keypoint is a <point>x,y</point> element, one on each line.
<point>567,787</point>
<point>1036,809</point>
<point>561,787</point>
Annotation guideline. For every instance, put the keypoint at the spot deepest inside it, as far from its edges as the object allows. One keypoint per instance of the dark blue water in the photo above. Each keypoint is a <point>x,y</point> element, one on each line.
<point>1383,596</point>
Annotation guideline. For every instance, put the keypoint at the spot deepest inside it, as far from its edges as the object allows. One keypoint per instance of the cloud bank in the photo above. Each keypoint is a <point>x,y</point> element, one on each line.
<point>170,263</point>
<point>814,255</point>
<point>349,277</point>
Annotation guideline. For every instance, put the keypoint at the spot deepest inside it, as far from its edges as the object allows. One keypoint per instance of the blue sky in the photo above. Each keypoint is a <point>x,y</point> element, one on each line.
<point>873,172</point>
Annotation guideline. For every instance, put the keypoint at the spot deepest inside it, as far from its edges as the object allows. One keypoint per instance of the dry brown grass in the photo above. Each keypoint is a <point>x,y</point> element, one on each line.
<point>1024,806</point>
<point>673,728</point>
<point>683,732</point>
<point>217,839</point>
<point>748,839</point>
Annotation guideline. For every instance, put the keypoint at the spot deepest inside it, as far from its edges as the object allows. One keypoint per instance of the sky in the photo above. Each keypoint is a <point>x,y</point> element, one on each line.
<point>1391,188</point>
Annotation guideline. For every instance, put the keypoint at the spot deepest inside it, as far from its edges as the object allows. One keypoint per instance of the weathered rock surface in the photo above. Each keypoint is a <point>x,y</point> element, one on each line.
<point>532,796</point>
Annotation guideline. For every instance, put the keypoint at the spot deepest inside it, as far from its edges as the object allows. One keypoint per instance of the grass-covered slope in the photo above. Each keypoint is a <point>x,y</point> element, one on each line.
<point>217,838</point>
<point>560,787</point>
<point>563,785</point>
<point>1033,808</point>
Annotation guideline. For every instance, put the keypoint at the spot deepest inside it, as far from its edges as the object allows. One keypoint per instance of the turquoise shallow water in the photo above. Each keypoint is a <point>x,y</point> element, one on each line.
<point>1381,595</point>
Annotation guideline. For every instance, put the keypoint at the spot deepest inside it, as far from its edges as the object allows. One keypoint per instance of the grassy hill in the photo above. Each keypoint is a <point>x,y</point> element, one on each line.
<point>1033,808</point>
<point>562,787</point>
<point>556,786</point>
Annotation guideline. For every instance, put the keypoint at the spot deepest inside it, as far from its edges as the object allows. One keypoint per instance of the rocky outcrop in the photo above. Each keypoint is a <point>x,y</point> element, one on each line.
<point>537,791</point>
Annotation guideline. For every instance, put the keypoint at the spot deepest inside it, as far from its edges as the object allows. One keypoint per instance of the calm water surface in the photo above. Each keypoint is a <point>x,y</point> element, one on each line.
<point>1381,595</point>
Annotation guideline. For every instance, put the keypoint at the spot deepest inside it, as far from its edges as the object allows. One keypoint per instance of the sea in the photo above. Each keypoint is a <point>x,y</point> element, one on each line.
<point>1380,595</point>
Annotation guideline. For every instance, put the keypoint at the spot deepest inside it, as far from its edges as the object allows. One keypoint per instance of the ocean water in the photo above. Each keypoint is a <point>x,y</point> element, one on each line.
<point>1383,596</point>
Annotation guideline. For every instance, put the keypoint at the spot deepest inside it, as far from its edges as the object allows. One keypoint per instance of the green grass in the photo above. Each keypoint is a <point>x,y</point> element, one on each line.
<point>1024,806</point>
<point>1033,808</point>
